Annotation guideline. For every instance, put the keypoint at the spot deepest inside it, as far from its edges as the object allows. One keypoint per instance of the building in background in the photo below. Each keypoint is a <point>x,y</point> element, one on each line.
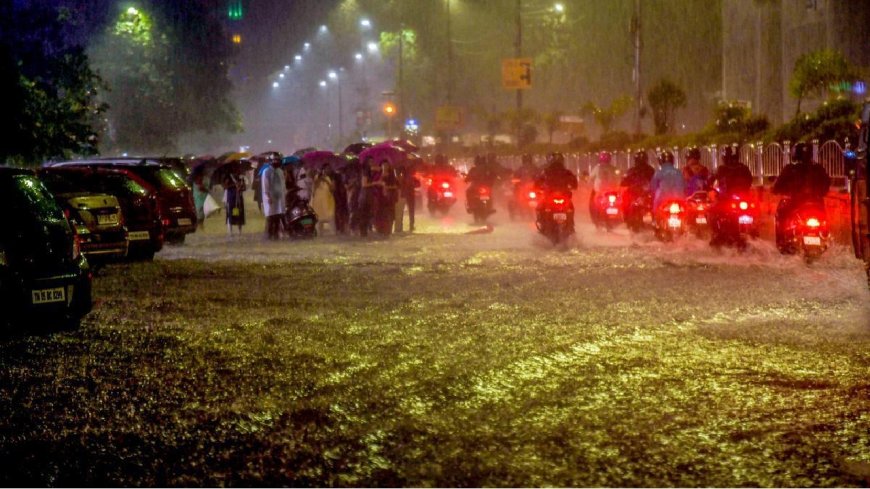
<point>762,40</point>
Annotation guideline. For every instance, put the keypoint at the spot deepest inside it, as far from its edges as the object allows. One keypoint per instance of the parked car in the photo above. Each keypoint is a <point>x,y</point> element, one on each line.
<point>43,275</point>
<point>175,198</point>
<point>97,217</point>
<point>138,200</point>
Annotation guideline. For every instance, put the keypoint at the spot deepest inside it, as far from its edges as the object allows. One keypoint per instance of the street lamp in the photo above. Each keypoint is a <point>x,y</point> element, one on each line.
<point>275,84</point>
<point>332,75</point>
<point>281,75</point>
<point>559,8</point>
<point>358,56</point>
<point>323,83</point>
<point>372,47</point>
<point>286,67</point>
<point>297,58</point>
<point>307,46</point>
<point>324,29</point>
<point>365,23</point>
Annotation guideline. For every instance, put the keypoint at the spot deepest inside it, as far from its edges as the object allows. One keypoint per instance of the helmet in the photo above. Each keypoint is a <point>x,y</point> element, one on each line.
<point>802,152</point>
<point>694,153</point>
<point>556,159</point>
<point>605,157</point>
<point>666,156</point>
<point>730,154</point>
<point>640,156</point>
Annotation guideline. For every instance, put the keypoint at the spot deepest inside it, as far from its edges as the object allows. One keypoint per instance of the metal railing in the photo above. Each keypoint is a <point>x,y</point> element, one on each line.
<point>764,160</point>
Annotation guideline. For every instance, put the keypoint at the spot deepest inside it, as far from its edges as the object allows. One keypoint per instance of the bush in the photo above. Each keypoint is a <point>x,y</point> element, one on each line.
<point>833,120</point>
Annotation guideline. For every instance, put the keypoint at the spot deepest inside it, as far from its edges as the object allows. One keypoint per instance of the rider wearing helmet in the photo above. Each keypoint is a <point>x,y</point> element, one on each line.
<point>800,182</point>
<point>667,183</point>
<point>637,178</point>
<point>732,176</point>
<point>527,170</point>
<point>696,175</point>
<point>555,176</point>
<point>604,178</point>
<point>442,168</point>
<point>483,173</point>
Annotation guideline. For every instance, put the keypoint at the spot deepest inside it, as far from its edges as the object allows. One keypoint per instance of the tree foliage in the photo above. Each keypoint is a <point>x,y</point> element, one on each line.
<point>665,97</point>
<point>166,65</point>
<point>815,72</point>
<point>49,87</point>
<point>606,116</point>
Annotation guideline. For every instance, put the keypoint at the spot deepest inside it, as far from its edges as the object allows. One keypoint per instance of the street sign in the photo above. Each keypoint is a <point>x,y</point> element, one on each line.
<point>448,117</point>
<point>516,73</point>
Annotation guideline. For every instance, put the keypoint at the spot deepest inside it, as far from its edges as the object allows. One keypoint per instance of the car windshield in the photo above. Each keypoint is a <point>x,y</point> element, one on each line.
<point>27,196</point>
<point>120,185</point>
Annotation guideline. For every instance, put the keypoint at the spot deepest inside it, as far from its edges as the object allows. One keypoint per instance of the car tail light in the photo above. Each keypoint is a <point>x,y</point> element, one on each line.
<point>76,247</point>
<point>445,185</point>
<point>743,205</point>
<point>813,222</point>
<point>533,195</point>
<point>674,208</point>
<point>165,222</point>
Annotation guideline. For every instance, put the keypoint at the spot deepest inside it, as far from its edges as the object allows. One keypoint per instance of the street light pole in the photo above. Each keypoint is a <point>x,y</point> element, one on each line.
<point>340,110</point>
<point>519,47</point>
<point>638,94</point>
<point>449,59</point>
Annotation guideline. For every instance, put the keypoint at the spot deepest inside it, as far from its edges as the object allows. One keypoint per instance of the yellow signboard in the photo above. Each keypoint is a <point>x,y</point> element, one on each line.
<point>448,117</point>
<point>516,73</point>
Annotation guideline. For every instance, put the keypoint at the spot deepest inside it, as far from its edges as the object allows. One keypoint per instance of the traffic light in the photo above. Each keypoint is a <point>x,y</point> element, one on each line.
<point>389,109</point>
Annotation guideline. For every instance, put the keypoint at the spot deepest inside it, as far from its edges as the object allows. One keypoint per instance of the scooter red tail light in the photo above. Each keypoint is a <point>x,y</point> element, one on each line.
<point>813,222</point>
<point>743,205</point>
<point>533,195</point>
<point>559,201</point>
<point>611,198</point>
<point>674,208</point>
<point>445,185</point>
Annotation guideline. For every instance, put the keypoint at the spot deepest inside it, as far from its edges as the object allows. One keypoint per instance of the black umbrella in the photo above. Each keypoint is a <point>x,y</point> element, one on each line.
<point>357,148</point>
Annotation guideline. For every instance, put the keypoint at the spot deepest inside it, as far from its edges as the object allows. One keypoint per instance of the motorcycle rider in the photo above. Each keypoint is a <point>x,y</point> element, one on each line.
<point>636,180</point>
<point>801,182</point>
<point>483,173</point>
<point>696,175</point>
<point>441,169</point>
<point>604,179</point>
<point>555,178</point>
<point>732,177</point>
<point>667,183</point>
<point>527,170</point>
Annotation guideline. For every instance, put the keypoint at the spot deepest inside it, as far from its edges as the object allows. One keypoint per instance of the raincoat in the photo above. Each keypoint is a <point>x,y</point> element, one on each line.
<point>273,192</point>
<point>667,184</point>
<point>322,199</point>
<point>604,178</point>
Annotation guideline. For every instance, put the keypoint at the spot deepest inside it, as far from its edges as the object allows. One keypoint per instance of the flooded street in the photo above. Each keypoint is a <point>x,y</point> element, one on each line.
<point>446,359</point>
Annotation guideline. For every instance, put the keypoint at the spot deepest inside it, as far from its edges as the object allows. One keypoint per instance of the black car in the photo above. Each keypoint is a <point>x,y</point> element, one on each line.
<point>137,198</point>
<point>175,198</point>
<point>43,275</point>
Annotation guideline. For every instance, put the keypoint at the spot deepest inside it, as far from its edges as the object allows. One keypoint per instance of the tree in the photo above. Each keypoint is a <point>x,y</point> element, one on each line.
<point>166,65</point>
<point>523,123</point>
<point>815,71</point>
<point>605,117</point>
<point>49,87</point>
<point>665,97</point>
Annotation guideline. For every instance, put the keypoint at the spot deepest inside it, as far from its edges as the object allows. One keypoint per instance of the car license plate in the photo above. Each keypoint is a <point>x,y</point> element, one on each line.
<point>813,240</point>
<point>46,296</point>
<point>612,211</point>
<point>184,222</point>
<point>107,219</point>
<point>700,220</point>
<point>138,235</point>
<point>746,220</point>
<point>674,222</point>
<point>560,216</point>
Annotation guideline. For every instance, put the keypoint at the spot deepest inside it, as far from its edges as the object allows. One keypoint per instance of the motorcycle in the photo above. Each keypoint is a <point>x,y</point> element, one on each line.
<point>735,221</point>
<point>697,213</point>
<point>440,196</point>
<point>523,200</point>
<point>607,210</point>
<point>806,231</point>
<point>555,216</point>
<point>670,220</point>
<point>638,212</point>
<point>479,202</point>
<point>300,221</point>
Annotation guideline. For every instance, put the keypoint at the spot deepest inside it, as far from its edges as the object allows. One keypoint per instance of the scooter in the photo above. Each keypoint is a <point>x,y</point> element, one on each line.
<point>479,202</point>
<point>523,200</point>
<point>555,216</point>
<point>606,210</point>
<point>670,220</point>
<point>440,196</point>
<point>735,221</point>
<point>804,231</point>
<point>697,213</point>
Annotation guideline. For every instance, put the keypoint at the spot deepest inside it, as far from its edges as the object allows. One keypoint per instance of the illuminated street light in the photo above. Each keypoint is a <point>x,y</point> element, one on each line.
<point>307,46</point>
<point>559,8</point>
<point>132,11</point>
<point>323,83</point>
<point>286,67</point>
<point>373,47</point>
<point>298,57</point>
<point>332,75</point>
<point>275,84</point>
<point>358,56</point>
<point>324,29</point>
<point>281,75</point>
<point>366,23</point>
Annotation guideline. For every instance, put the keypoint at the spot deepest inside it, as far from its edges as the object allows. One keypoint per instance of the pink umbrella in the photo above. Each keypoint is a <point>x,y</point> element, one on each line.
<point>319,159</point>
<point>384,151</point>
<point>404,144</point>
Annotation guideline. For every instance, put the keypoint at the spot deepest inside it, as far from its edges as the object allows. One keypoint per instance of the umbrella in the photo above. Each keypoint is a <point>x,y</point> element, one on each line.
<point>357,148</point>
<point>270,155</point>
<point>319,159</point>
<point>384,151</point>
<point>235,167</point>
<point>204,166</point>
<point>300,153</point>
<point>227,157</point>
<point>290,160</point>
